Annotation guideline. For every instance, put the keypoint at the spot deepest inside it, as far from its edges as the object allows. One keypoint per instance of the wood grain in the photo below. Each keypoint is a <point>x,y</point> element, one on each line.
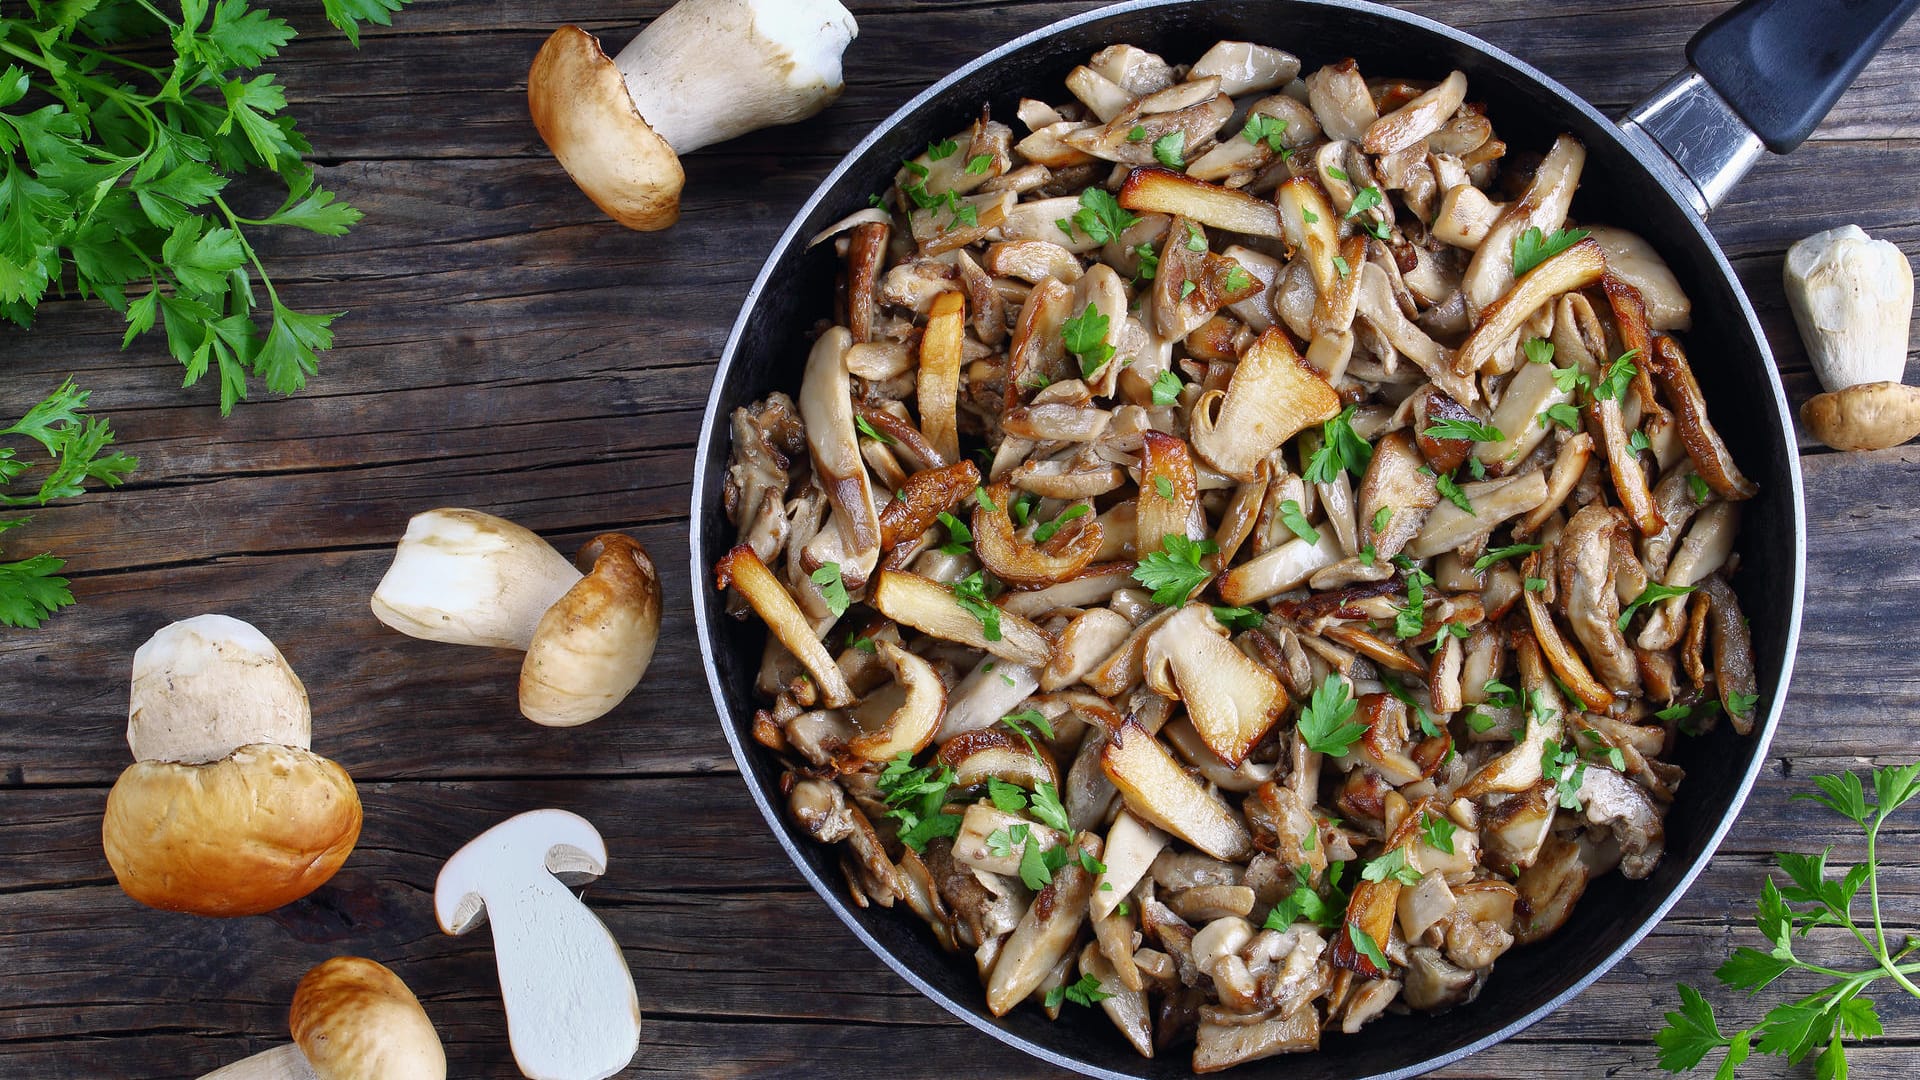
<point>508,349</point>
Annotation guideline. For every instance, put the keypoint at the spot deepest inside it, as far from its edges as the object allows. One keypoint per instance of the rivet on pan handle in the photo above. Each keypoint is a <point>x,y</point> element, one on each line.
<point>1763,76</point>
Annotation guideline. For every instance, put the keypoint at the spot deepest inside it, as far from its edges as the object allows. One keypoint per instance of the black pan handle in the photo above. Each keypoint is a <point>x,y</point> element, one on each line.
<point>1782,64</point>
<point>1763,76</point>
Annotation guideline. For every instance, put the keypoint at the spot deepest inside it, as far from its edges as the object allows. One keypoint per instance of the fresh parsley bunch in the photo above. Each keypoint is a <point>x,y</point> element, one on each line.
<point>1825,1018</point>
<point>117,169</point>
<point>76,445</point>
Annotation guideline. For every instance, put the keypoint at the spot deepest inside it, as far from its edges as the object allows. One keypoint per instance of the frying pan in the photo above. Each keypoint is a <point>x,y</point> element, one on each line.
<point>1762,76</point>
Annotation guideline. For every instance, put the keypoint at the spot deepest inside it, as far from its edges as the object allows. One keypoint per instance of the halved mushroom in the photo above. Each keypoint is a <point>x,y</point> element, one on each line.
<point>1045,934</point>
<point>1231,700</point>
<point>1160,792</point>
<point>1273,396</point>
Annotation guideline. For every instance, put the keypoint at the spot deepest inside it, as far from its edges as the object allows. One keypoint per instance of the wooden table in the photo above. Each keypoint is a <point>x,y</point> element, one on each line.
<point>511,350</point>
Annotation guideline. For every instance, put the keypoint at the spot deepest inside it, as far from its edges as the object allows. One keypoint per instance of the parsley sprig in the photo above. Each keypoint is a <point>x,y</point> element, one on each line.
<point>1175,572</point>
<point>116,172</point>
<point>1824,1019</point>
<point>31,589</point>
<point>1343,448</point>
<point>1531,248</point>
<point>1326,723</point>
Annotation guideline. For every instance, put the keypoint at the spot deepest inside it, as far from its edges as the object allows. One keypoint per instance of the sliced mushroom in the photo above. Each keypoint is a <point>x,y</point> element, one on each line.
<point>1159,792</point>
<point>1045,934</point>
<point>910,728</point>
<point>1272,397</point>
<point>1575,268</point>
<point>934,609</point>
<point>743,570</point>
<point>1710,457</point>
<point>1544,206</point>
<point>1410,124</point>
<point>1231,700</point>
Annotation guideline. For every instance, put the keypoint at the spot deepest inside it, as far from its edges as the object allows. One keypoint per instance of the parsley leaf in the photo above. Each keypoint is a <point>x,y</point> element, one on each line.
<point>940,151</point>
<point>1619,374</point>
<point>1239,618</point>
<point>1368,947</point>
<point>1638,442</point>
<point>1306,903</point>
<point>1174,573</point>
<point>1086,338</point>
<point>1562,766</point>
<point>1196,240</point>
<point>871,432</point>
<point>916,798</point>
<point>1653,594</point>
<point>1451,492</point>
<point>970,593</point>
<point>1166,388</point>
<point>1531,248</point>
<point>1047,532</point>
<point>1464,429</point>
<point>1007,797</point>
<point>1437,831</point>
<point>1326,723</point>
<point>1169,149</point>
<point>979,164</point>
<point>1149,261</point>
<point>1538,350</point>
<point>1563,414</point>
<point>1367,198</point>
<point>1047,807</point>
<point>1263,127</point>
<point>1085,992</point>
<point>1101,217</point>
<point>1697,485</point>
<point>1497,554</point>
<point>1343,448</point>
<point>1164,487</point>
<point>1392,865</point>
<point>1296,521</point>
<point>960,537</point>
<point>1237,279</point>
<point>832,589</point>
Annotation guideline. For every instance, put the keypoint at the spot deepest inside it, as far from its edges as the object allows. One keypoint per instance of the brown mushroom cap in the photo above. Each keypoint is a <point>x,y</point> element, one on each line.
<point>1870,416</point>
<point>355,1020</point>
<point>261,827</point>
<point>594,644</point>
<point>582,109</point>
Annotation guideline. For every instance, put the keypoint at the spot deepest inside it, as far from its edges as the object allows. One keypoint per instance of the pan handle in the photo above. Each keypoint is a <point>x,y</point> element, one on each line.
<point>1762,77</point>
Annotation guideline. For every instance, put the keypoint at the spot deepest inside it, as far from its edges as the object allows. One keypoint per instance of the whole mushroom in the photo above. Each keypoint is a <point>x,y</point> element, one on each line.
<point>468,578</point>
<point>1853,299</point>
<point>703,72</point>
<point>352,1019</point>
<point>227,811</point>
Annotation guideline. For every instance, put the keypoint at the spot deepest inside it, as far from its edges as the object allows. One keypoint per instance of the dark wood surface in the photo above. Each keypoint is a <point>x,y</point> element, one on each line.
<point>510,350</point>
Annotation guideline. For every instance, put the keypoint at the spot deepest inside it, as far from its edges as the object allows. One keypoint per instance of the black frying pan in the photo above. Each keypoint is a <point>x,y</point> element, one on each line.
<point>1764,75</point>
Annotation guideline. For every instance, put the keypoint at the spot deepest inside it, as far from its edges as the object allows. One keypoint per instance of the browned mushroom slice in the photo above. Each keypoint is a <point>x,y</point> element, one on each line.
<point>826,409</point>
<point>1158,791</point>
<point>911,726</point>
<point>1443,454</point>
<point>1341,100</point>
<point>1733,663</point>
<point>899,438</point>
<point>1567,470</point>
<point>1046,932</point>
<point>1636,338</point>
<point>1585,562</point>
<point>1221,1046</point>
<point>1394,496</point>
<point>1548,890</point>
<point>1410,124</point>
<point>742,570</point>
<point>1312,227</point>
<point>1246,68</point>
<point>960,222</point>
<point>1094,585</point>
<point>1450,528</point>
<point>1279,569</point>
<point>932,608</point>
<point>1375,305</point>
<point>1033,261</point>
<point>1373,647</point>
<point>1169,493</point>
<point>1000,753</point>
<point>1575,268</point>
<point>1565,662</point>
<point>1187,113</point>
<point>1614,801</point>
<point>1039,352</point>
<point>1273,396</point>
<point>1070,547</point>
<point>1164,191</point>
<point>1371,912</point>
<point>925,496</point>
<point>1710,457</point>
<point>1231,700</point>
<point>1706,548</point>
<point>1123,1000</point>
<point>866,254</point>
<point>1634,261</point>
<point>939,385</point>
<point>1192,283</point>
<point>1520,417</point>
<point>1543,207</point>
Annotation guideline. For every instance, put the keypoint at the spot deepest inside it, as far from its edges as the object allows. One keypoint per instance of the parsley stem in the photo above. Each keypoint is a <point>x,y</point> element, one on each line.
<point>252,256</point>
<point>1879,930</point>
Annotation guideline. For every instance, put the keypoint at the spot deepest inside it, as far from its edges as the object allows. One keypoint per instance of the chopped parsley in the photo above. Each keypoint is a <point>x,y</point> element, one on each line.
<point>1368,947</point>
<point>1138,134</point>
<point>1238,279</point>
<point>960,538</point>
<point>1261,127</point>
<point>1046,806</point>
<point>1367,198</point>
<point>1169,149</point>
<point>1619,374</point>
<point>1567,380</point>
<point>832,589</point>
<point>1538,350</point>
<point>1007,797</point>
<point>979,164</point>
<point>1340,266</point>
<point>1046,532</point>
<point>1086,992</point>
<point>1464,429</point>
<point>1563,414</point>
<point>1740,704</point>
<point>1186,289</point>
<point>1196,240</point>
<point>1451,492</point>
<point>1086,338</point>
<point>1638,442</point>
<point>1531,248</point>
<point>1164,487</point>
<point>1166,388</point>
<point>1305,903</point>
<point>970,593</point>
<point>1239,618</point>
<point>1342,448</point>
<point>1019,722</point>
<point>1382,517</point>
<point>872,432</point>
<point>1497,554</point>
<point>1409,620</point>
<point>1149,261</point>
<point>1296,521</point>
<point>1654,593</point>
<point>1326,722</point>
<point>1437,831</point>
<point>1174,573</point>
<point>1562,766</point>
<point>864,644</point>
<point>1100,217</point>
<point>917,798</point>
<point>1697,484</point>
<point>1391,866</point>
<point>940,151</point>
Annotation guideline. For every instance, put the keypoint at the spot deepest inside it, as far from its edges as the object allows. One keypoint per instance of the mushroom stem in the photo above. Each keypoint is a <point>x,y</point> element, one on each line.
<point>280,1063</point>
<point>709,70</point>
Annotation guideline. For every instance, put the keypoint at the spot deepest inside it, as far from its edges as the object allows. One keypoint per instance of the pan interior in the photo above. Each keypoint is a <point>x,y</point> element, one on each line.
<point>769,348</point>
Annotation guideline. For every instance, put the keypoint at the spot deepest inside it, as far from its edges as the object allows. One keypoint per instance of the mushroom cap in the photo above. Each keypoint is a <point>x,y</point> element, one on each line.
<point>468,578</point>
<point>582,109</point>
<point>594,644</point>
<point>262,827</point>
<point>1869,416</point>
<point>355,1020</point>
<point>205,685</point>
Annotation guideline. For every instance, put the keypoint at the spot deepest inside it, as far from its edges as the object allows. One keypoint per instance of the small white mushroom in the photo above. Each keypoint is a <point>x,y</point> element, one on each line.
<point>703,72</point>
<point>1852,297</point>
<point>468,578</point>
<point>352,1019</point>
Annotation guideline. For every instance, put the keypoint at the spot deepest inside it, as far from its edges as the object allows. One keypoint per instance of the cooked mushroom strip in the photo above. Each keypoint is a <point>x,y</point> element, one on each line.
<point>926,495</point>
<point>1544,207</point>
<point>1575,453</point>
<point>1733,661</point>
<point>1633,260</point>
<point>1395,496</point>
<point>1565,662</point>
<point>1449,528</point>
<point>1280,569</point>
<point>1575,268</point>
<point>1125,1005</point>
<point>1231,700</point>
<point>911,726</point>
<point>1706,548</point>
<point>1376,306</point>
<point>1183,115</point>
<point>1046,932</point>
<point>1159,792</point>
<point>1272,397</point>
<point>866,250</point>
<point>1521,417</point>
<point>826,410</point>
<point>934,609</point>
<point>1585,558</point>
<point>1410,124</point>
<point>1164,191</point>
<point>1710,457</point>
<point>939,385</point>
<point>1170,507</point>
<point>1674,499</point>
<point>1340,98</point>
<point>743,570</point>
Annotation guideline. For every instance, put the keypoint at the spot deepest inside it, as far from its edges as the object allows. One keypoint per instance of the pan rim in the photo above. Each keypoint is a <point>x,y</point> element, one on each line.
<point>1659,171</point>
